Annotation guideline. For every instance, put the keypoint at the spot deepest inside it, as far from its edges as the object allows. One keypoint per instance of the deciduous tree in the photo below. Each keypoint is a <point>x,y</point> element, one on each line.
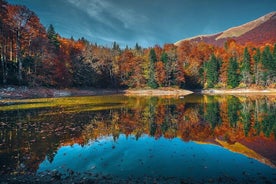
<point>153,59</point>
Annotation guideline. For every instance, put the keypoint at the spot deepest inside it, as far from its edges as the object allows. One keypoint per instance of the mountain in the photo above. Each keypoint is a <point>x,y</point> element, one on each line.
<point>259,31</point>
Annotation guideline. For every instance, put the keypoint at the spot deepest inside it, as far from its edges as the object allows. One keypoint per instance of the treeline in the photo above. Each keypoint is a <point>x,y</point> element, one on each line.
<point>241,66</point>
<point>33,56</point>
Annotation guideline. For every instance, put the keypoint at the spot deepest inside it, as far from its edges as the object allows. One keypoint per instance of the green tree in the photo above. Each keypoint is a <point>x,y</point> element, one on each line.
<point>232,73</point>
<point>167,66</point>
<point>257,66</point>
<point>273,65</point>
<point>116,47</point>
<point>245,68</point>
<point>153,59</point>
<point>245,115</point>
<point>274,54</point>
<point>268,124</point>
<point>212,114</point>
<point>53,36</point>
<point>269,72</point>
<point>138,47</point>
<point>267,58</point>
<point>164,57</point>
<point>212,71</point>
<point>233,106</point>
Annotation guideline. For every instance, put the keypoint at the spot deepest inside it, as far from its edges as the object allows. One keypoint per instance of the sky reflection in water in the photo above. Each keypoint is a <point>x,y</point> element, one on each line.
<point>155,157</point>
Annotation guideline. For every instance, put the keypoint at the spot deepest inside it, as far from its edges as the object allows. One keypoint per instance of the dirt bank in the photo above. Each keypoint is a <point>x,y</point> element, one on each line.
<point>157,92</point>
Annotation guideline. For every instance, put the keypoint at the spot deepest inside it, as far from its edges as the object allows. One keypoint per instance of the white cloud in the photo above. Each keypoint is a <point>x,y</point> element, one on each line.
<point>106,12</point>
<point>123,23</point>
<point>93,8</point>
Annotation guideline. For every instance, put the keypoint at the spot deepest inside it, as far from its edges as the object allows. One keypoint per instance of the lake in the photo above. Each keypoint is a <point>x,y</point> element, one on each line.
<point>120,139</point>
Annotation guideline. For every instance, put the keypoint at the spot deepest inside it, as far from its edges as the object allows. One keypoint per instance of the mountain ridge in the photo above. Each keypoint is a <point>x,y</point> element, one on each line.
<point>258,31</point>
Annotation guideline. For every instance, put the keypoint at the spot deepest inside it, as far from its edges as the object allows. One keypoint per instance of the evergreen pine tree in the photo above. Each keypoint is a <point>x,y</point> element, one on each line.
<point>164,57</point>
<point>138,47</point>
<point>257,65</point>
<point>266,58</point>
<point>52,36</point>
<point>273,67</point>
<point>116,47</point>
<point>232,73</point>
<point>212,71</point>
<point>274,54</point>
<point>267,62</point>
<point>245,67</point>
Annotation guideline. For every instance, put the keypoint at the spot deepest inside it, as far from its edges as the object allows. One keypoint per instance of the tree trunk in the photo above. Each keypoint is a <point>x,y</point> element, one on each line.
<point>18,57</point>
<point>2,65</point>
<point>3,59</point>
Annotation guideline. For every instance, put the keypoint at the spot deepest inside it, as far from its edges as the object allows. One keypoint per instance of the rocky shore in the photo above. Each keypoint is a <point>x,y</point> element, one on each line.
<point>58,178</point>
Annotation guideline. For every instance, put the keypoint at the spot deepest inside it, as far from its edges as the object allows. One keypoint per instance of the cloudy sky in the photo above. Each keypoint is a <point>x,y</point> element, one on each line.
<point>147,22</point>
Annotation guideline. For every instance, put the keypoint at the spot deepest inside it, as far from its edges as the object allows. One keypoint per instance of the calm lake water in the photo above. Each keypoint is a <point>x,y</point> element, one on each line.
<point>209,139</point>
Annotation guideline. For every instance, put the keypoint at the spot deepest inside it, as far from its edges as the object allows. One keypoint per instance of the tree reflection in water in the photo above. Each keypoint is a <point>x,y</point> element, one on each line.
<point>246,125</point>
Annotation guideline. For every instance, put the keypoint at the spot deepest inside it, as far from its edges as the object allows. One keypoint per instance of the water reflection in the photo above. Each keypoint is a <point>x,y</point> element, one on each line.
<point>148,157</point>
<point>41,134</point>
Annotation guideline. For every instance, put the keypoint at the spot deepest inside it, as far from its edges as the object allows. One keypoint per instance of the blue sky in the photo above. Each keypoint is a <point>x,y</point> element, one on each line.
<point>147,22</point>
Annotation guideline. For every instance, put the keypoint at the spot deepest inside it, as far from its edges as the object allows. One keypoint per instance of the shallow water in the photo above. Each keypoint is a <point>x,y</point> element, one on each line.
<point>194,139</point>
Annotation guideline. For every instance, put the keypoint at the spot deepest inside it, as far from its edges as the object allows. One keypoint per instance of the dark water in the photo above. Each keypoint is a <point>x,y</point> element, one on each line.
<point>208,139</point>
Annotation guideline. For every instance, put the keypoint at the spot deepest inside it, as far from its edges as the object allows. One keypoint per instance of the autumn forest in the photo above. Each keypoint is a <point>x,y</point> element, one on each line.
<point>32,55</point>
<point>73,110</point>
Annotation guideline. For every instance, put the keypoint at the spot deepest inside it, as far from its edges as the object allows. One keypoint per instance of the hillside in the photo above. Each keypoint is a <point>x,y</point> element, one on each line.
<point>259,31</point>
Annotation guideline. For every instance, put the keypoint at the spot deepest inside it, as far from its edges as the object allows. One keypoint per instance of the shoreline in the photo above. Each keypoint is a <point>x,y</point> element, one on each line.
<point>19,92</point>
<point>239,91</point>
<point>157,92</point>
<point>15,92</point>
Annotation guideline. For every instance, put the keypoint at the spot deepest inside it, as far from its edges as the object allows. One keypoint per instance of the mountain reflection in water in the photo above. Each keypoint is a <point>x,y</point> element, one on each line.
<point>148,157</point>
<point>196,137</point>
